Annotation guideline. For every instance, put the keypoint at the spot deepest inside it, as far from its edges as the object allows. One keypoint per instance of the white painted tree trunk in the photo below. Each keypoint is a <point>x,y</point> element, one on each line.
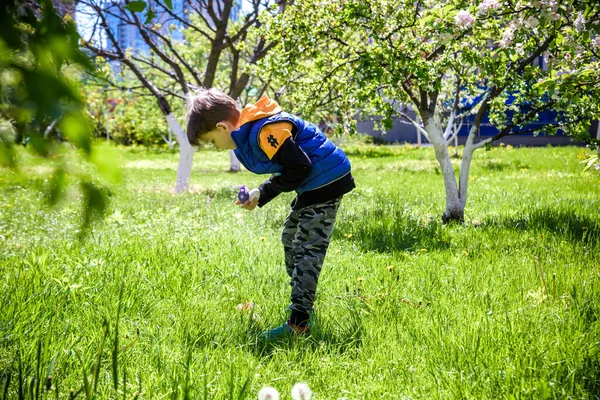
<point>454,206</point>
<point>186,155</point>
<point>465,166</point>
<point>234,163</point>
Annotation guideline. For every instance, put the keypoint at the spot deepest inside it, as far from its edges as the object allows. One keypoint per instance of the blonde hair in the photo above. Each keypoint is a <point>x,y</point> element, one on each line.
<point>207,108</point>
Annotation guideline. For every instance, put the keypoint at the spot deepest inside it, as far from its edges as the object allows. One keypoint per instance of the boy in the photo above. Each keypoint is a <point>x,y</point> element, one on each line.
<point>300,157</point>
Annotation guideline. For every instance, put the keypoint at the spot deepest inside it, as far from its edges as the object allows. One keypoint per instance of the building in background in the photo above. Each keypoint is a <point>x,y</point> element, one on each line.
<point>129,37</point>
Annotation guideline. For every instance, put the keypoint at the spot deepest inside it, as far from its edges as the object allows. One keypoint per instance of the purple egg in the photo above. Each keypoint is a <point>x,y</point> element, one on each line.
<point>243,194</point>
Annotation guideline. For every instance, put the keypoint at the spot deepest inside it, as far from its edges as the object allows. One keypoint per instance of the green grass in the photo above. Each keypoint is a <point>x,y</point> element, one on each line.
<point>504,306</point>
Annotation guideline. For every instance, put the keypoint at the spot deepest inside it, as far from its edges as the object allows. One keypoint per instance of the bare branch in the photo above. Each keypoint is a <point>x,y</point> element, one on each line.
<point>414,123</point>
<point>201,14</point>
<point>178,72</point>
<point>454,110</point>
<point>183,21</point>
<point>506,131</point>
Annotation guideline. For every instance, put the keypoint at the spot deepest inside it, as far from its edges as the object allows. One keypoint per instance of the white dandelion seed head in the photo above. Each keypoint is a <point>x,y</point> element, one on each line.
<point>301,391</point>
<point>268,393</point>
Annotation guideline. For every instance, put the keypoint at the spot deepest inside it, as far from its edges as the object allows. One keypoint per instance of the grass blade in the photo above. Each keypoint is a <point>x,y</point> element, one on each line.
<point>115,349</point>
<point>245,387</point>
<point>86,383</point>
<point>6,385</point>
<point>20,363</point>
<point>105,325</point>
<point>49,372</point>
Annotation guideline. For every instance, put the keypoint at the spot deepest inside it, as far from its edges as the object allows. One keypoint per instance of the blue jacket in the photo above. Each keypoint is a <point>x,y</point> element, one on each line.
<point>329,162</point>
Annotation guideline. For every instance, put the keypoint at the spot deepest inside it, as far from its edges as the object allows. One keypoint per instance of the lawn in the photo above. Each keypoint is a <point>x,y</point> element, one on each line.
<point>503,306</point>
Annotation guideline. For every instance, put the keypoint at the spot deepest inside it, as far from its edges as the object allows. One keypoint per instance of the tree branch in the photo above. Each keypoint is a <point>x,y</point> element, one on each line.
<point>183,21</point>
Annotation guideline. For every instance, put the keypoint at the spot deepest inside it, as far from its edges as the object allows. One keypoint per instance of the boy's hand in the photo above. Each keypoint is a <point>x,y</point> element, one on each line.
<point>252,202</point>
<point>249,204</point>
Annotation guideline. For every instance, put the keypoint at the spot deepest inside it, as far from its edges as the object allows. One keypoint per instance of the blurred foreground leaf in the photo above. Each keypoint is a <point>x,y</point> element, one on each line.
<point>40,106</point>
<point>95,202</point>
<point>107,161</point>
<point>56,186</point>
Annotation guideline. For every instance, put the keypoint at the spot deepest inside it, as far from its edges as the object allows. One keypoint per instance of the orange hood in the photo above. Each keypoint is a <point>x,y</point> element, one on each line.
<point>264,107</point>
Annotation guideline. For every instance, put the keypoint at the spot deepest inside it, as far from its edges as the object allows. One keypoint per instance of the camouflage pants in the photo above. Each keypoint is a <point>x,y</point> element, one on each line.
<point>306,234</point>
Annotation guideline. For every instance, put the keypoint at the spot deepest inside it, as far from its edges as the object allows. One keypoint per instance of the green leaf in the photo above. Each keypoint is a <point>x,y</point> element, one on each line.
<point>107,161</point>
<point>77,129</point>
<point>136,6</point>
<point>149,16</point>
<point>41,145</point>
<point>7,155</point>
<point>169,4</point>
<point>56,186</point>
<point>559,39</point>
<point>95,202</point>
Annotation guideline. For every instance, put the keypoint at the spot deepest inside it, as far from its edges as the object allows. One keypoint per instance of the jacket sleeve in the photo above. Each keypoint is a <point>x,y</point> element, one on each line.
<point>296,168</point>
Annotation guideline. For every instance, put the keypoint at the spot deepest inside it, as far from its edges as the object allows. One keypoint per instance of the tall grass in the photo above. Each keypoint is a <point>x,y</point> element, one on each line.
<point>504,306</point>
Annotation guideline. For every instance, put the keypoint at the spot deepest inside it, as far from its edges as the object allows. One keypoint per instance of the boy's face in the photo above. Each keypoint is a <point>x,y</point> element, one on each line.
<point>220,137</point>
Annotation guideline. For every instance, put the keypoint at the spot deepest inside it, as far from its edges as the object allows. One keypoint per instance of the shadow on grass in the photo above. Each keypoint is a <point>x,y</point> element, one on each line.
<point>391,228</point>
<point>564,222</point>
<point>496,166</point>
<point>336,342</point>
<point>336,335</point>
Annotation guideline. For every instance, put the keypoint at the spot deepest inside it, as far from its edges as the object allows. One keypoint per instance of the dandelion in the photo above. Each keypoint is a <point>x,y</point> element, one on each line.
<point>464,19</point>
<point>390,267</point>
<point>349,236</point>
<point>268,393</point>
<point>301,391</point>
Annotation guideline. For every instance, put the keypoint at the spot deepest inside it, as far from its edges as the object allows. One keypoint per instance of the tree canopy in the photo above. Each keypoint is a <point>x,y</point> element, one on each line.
<point>449,59</point>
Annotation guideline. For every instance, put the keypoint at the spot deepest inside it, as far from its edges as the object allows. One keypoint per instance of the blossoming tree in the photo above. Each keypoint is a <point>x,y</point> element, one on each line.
<point>448,59</point>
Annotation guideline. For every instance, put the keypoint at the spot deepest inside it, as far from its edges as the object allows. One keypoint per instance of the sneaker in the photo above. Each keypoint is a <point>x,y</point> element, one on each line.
<point>285,329</point>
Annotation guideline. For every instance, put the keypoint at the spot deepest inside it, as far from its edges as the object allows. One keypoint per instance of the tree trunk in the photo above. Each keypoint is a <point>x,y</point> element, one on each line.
<point>455,209</point>
<point>235,165</point>
<point>186,155</point>
<point>465,167</point>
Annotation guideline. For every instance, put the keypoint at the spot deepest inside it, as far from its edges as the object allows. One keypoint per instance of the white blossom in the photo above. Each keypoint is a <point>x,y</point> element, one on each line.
<point>579,22</point>
<point>519,49</point>
<point>464,19</point>
<point>596,42</point>
<point>268,393</point>
<point>549,3</point>
<point>531,22</point>
<point>301,391</point>
<point>507,36</point>
<point>487,5</point>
